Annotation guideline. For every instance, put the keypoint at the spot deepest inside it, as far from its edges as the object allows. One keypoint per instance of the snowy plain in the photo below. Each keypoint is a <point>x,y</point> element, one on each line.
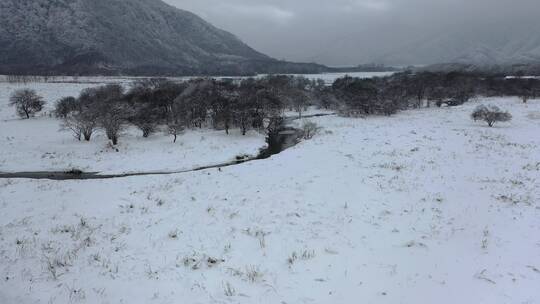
<point>426,206</point>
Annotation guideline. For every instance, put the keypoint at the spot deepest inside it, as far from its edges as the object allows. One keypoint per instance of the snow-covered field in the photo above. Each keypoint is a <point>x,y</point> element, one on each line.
<point>40,144</point>
<point>423,207</point>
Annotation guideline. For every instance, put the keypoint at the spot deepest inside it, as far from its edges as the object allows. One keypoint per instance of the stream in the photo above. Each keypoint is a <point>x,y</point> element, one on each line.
<point>286,138</point>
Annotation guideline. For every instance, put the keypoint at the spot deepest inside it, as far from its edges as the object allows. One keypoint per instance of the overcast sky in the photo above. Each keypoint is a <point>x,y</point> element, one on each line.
<point>344,32</point>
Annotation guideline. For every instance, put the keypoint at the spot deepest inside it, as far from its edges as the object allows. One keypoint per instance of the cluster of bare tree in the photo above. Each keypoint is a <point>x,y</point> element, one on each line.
<point>95,108</point>
<point>387,95</point>
<point>153,103</point>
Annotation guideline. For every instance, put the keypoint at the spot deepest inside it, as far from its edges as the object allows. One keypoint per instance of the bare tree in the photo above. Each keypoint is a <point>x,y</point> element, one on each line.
<point>113,121</point>
<point>27,102</point>
<point>243,115</point>
<point>326,98</point>
<point>82,123</point>
<point>526,89</point>
<point>192,105</point>
<point>435,95</point>
<point>490,114</point>
<point>416,88</point>
<point>245,106</point>
<point>179,117</point>
<point>221,104</point>
<point>176,123</point>
<point>300,101</point>
<point>175,129</point>
<point>112,113</point>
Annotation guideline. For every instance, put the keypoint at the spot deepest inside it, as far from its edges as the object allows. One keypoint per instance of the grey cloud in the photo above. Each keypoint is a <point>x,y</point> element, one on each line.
<point>344,32</point>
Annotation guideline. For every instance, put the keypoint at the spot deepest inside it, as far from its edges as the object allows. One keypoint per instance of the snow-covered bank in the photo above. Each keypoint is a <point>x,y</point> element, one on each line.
<point>423,207</point>
<point>38,145</point>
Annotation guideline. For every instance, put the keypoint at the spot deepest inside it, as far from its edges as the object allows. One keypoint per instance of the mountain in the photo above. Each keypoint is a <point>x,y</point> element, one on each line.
<point>487,41</point>
<point>500,52</point>
<point>468,47</point>
<point>138,37</point>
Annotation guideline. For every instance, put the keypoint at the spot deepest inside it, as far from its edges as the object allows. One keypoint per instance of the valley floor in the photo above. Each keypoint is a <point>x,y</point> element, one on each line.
<point>423,207</point>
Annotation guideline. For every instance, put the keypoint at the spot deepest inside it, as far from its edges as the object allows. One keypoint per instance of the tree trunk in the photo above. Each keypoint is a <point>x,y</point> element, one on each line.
<point>87,136</point>
<point>243,127</point>
<point>146,133</point>
<point>174,141</point>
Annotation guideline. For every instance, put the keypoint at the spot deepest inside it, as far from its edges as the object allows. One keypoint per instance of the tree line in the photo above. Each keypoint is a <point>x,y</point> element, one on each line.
<point>401,91</point>
<point>260,103</point>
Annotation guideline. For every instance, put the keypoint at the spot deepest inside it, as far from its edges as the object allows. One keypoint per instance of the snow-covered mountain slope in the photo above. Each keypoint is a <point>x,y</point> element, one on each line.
<point>137,36</point>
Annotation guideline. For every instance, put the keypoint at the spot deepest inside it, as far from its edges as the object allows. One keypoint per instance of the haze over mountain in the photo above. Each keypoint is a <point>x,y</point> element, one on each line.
<point>480,45</point>
<point>397,32</point>
<point>120,36</point>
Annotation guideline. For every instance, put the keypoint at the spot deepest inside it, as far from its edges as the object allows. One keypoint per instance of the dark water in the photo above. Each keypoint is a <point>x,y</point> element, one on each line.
<point>284,139</point>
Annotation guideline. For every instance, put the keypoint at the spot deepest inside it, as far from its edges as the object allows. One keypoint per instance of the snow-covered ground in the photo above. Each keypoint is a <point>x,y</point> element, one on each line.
<point>423,207</point>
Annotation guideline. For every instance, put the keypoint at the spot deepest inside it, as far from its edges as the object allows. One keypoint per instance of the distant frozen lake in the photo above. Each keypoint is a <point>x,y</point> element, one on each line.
<point>328,78</point>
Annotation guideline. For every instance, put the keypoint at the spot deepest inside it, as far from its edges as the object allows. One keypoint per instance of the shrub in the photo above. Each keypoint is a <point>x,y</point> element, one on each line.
<point>310,129</point>
<point>27,102</point>
<point>490,114</point>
